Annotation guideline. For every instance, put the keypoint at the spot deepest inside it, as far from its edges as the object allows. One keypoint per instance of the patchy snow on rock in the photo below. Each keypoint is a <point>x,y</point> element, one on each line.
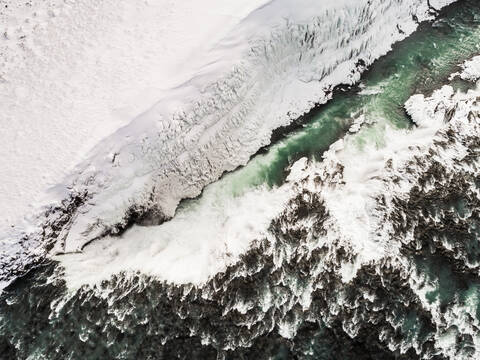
<point>470,70</point>
<point>353,219</point>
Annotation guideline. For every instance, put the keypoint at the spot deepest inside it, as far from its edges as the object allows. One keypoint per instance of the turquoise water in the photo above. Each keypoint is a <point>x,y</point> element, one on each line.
<point>419,64</point>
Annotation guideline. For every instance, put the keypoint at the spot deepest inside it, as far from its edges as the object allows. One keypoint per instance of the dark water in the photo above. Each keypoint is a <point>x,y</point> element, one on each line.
<point>378,315</point>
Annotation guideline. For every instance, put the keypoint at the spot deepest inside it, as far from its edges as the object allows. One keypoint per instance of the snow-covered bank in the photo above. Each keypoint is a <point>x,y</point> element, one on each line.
<point>265,73</point>
<point>212,112</point>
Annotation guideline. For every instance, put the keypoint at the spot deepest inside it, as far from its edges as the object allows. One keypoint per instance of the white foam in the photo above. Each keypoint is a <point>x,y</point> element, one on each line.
<point>201,240</point>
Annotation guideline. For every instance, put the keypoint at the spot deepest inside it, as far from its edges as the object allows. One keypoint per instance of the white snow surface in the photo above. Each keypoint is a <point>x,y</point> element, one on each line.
<point>197,86</point>
<point>471,69</point>
<point>73,72</point>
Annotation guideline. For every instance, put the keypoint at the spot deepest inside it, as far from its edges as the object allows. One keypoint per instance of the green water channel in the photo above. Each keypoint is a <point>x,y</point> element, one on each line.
<point>419,64</point>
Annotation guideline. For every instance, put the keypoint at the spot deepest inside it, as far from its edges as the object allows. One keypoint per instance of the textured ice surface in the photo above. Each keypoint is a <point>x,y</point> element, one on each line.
<point>215,105</point>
